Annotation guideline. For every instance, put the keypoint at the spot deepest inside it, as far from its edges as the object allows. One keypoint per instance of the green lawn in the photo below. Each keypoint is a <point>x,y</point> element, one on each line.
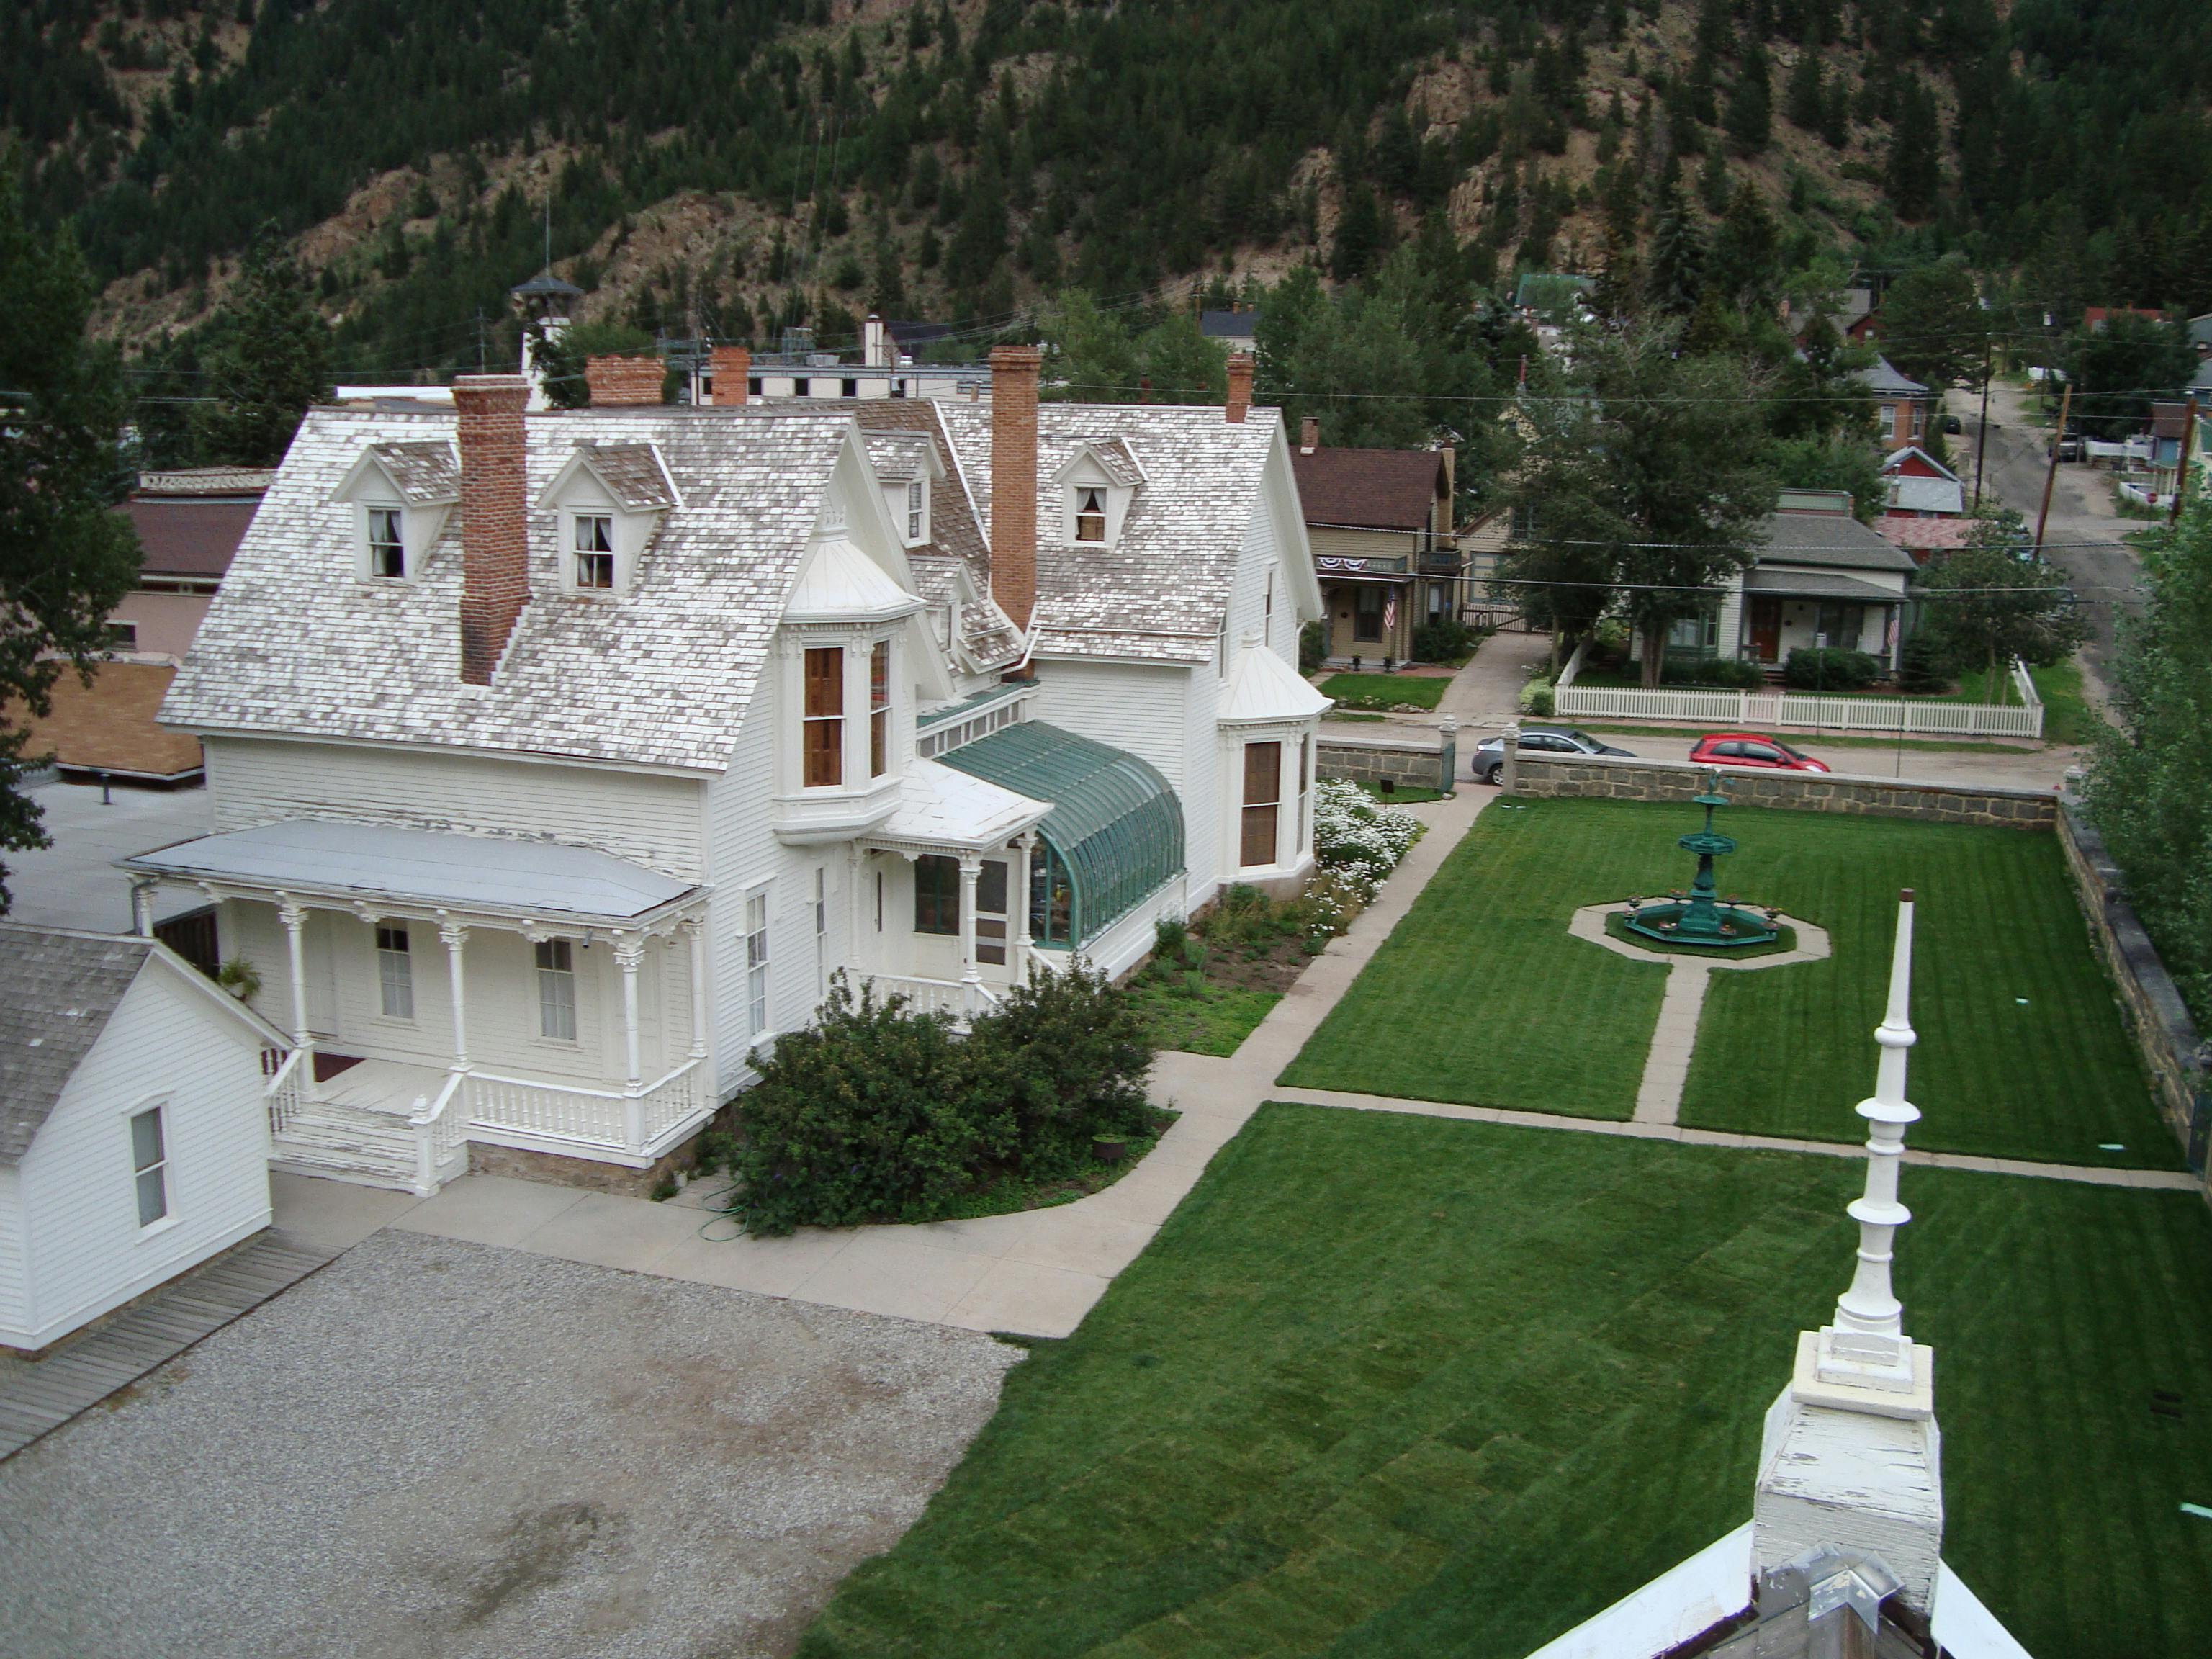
<point>1480,995</point>
<point>1387,1386</point>
<point>2067,716</point>
<point>1209,1019</point>
<point>1385,690</point>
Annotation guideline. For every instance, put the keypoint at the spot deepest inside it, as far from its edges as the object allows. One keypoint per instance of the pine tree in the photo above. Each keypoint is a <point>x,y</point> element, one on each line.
<point>1713,182</point>
<point>1751,102</point>
<point>269,363</point>
<point>1677,271</point>
<point>1359,233</point>
<point>1914,174</point>
<point>1745,265</point>
<point>65,559</point>
<point>1806,102</point>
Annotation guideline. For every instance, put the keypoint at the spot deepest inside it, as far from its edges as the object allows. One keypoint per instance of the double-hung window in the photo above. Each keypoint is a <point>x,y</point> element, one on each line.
<point>936,894</point>
<point>150,1165</point>
<point>595,550</point>
<point>556,990</point>
<point>1263,800</point>
<point>879,708</point>
<point>1089,514</point>
<point>824,737</point>
<point>756,962</point>
<point>914,511</point>
<point>387,549</point>
<point>395,973</point>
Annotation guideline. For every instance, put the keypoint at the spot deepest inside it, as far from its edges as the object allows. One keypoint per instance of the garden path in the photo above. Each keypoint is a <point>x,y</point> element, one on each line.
<point>1039,1272</point>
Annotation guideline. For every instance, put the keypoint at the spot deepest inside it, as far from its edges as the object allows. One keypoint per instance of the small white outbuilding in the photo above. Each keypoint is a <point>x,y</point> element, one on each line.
<point>134,1144</point>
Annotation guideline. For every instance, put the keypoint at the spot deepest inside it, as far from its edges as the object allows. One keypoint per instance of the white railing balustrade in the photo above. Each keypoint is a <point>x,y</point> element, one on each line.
<point>599,1117</point>
<point>442,1134</point>
<point>935,996</point>
<point>286,1090</point>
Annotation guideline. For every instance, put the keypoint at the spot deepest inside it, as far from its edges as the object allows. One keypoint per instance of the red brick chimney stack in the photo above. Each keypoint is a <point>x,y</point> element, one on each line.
<point>1240,386</point>
<point>495,550</point>
<point>733,369</point>
<point>616,381</point>
<point>1309,434</point>
<point>1014,479</point>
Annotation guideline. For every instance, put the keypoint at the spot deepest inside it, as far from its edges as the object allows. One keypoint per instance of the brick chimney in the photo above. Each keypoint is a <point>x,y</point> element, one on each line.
<point>732,369</point>
<point>1014,479</point>
<point>495,550</point>
<point>1240,386</point>
<point>619,381</point>
<point>1309,434</point>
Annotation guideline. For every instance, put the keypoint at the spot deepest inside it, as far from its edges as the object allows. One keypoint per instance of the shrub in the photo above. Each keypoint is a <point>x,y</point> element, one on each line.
<point>1313,648</point>
<point>1831,670</point>
<point>1357,836</point>
<point>1728,673</point>
<point>1442,641</point>
<point>1537,698</point>
<point>875,1113</point>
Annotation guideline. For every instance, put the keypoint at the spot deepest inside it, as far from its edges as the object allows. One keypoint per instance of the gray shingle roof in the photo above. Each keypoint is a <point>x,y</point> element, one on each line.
<point>1162,590</point>
<point>57,992</point>
<point>1828,538</point>
<point>426,473</point>
<point>632,474</point>
<point>296,644</point>
<point>1884,381</point>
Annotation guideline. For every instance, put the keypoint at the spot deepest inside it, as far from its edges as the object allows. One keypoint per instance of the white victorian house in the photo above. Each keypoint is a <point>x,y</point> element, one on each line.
<point>558,760</point>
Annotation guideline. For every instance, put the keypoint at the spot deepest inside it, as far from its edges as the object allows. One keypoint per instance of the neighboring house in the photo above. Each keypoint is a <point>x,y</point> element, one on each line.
<point>557,764</point>
<point>189,524</point>
<point>887,368</point>
<point>1900,404</point>
<point>1381,524</point>
<point>1923,538</point>
<point>1920,486</point>
<point>1552,296</point>
<point>1861,322</point>
<point>2094,318</point>
<point>1821,578</point>
<point>134,1143</point>
<point>1236,330</point>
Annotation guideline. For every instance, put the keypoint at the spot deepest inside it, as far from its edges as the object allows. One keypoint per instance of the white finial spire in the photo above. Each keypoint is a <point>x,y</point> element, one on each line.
<point>1867,1344</point>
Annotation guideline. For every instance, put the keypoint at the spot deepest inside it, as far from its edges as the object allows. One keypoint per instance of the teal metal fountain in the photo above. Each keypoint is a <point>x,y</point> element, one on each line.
<point>1701,918</point>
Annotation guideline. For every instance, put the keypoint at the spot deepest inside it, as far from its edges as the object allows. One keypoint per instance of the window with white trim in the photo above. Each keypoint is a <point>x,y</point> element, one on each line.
<point>150,1165</point>
<point>594,544</point>
<point>879,708</point>
<point>387,546</point>
<point>1089,514</point>
<point>823,719</point>
<point>756,963</point>
<point>395,973</point>
<point>914,512</point>
<point>556,990</point>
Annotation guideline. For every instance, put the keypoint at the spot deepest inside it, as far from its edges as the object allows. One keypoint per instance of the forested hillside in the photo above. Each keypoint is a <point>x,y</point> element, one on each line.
<point>743,164</point>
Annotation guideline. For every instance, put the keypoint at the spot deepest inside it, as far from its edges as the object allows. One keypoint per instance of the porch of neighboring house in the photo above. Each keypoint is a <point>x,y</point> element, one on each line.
<point>443,988</point>
<point>1784,612</point>
<point>1369,617</point>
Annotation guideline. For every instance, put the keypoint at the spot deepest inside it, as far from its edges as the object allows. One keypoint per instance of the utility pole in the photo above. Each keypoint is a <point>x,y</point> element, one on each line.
<point>1982,435</point>
<point>2181,465</point>
<point>2050,477</point>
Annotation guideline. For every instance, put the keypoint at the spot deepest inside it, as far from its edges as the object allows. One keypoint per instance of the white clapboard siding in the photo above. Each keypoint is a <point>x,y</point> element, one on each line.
<point>1138,707</point>
<point>743,852</point>
<point>166,1042</point>
<point>12,1311</point>
<point>653,820</point>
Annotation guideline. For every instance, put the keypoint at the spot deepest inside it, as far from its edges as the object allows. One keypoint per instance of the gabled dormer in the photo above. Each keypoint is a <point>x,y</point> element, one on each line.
<point>906,468</point>
<point>1094,488</point>
<point>606,504</point>
<point>399,495</point>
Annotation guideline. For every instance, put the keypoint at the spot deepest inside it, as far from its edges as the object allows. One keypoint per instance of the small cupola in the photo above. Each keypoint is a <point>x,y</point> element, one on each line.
<point>1093,490</point>
<point>606,503</point>
<point>399,495</point>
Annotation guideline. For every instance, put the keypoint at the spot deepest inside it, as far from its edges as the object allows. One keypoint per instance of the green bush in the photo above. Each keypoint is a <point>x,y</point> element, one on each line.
<point>1728,673</point>
<point>1828,669</point>
<point>1313,648</point>
<point>874,1113</point>
<point>1924,667</point>
<point>1537,699</point>
<point>1442,641</point>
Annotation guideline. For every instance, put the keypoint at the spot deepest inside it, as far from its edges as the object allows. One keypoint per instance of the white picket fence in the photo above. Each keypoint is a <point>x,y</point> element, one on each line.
<point>1753,710</point>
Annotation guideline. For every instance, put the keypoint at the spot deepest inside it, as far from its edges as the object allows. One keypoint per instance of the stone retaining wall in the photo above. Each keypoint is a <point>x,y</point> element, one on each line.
<point>2171,1050</point>
<point>1417,762</point>
<point>1607,777</point>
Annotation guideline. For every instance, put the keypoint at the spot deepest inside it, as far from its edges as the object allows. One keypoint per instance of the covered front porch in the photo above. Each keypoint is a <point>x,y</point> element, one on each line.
<point>443,989</point>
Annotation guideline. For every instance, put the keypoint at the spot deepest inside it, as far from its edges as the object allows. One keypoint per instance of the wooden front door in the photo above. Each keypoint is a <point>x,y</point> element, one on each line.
<point>1766,629</point>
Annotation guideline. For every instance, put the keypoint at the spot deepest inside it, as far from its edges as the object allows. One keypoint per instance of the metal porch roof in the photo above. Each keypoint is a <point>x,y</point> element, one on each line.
<point>1115,824</point>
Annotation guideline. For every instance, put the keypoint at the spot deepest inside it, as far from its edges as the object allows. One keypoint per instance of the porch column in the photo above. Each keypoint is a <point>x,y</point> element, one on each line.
<point>696,929</point>
<point>454,936</point>
<point>1019,898</point>
<point>971,868</point>
<point>294,918</point>
<point>142,905</point>
<point>629,951</point>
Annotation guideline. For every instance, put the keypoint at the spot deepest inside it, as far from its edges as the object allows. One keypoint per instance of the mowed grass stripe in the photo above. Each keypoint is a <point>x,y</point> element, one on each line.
<point>2022,1053</point>
<point>1388,1385</point>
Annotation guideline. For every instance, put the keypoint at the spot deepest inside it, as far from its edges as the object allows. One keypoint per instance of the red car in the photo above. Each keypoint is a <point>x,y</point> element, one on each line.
<point>1750,749</point>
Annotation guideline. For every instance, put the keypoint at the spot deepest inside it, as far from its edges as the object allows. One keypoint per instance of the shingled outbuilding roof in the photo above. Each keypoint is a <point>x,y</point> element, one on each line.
<point>57,992</point>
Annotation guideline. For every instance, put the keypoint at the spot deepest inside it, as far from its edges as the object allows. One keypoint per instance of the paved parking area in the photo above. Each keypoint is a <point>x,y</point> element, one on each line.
<point>434,1448</point>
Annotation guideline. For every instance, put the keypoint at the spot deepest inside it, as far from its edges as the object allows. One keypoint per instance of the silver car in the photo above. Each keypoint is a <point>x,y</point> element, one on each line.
<point>1489,758</point>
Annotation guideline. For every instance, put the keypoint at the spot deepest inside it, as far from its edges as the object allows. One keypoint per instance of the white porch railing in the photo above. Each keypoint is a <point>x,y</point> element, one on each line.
<point>441,1136</point>
<point>286,1090</point>
<point>612,1118</point>
<point>1819,714</point>
<point>959,998</point>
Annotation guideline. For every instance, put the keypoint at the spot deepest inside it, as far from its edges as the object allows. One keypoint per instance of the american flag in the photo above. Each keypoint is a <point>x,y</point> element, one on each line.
<point>1390,611</point>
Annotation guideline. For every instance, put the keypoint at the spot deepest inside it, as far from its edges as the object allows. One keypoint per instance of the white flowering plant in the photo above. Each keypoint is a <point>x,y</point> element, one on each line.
<point>1357,836</point>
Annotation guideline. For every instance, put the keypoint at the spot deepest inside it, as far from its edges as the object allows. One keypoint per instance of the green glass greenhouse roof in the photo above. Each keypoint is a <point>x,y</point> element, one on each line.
<point>1114,822</point>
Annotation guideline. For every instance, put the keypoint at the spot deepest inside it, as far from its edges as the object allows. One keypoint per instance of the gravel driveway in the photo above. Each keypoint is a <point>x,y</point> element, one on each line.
<point>434,1449</point>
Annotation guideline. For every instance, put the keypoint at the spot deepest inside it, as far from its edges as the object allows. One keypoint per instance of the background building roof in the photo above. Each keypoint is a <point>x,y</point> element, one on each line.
<point>1823,538</point>
<point>1368,489</point>
<point>181,536</point>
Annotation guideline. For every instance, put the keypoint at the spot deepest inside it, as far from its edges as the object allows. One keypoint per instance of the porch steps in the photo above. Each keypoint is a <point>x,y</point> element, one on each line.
<point>347,1143</point>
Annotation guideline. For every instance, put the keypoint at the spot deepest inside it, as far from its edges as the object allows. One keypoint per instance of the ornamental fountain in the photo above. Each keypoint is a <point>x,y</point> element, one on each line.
<point>1701,917</point>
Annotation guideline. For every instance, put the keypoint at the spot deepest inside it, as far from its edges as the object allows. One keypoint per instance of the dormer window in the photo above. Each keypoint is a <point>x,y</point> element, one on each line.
<point>1091,515</point>
<point>593,540</point>
<point>387,543</point>
<point>914,514</point>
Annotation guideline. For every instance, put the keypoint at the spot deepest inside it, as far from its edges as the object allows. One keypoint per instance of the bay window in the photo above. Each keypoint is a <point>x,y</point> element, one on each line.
<point>824,737</point>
